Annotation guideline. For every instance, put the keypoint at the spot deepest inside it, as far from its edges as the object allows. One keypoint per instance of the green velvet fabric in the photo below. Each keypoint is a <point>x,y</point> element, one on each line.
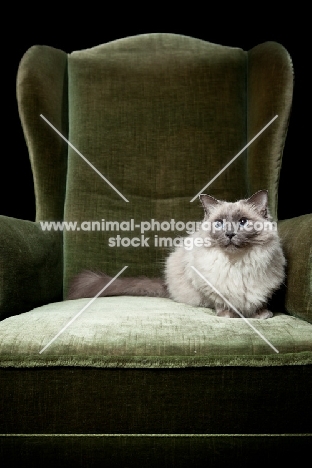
<point>42,88</point>
<point>150,106</point>
<point>165,114</point>
<point>149,332</point>
<point>30,266</point>
<point>270,92</point>
<point>297,244</point>
<point>159,105</point>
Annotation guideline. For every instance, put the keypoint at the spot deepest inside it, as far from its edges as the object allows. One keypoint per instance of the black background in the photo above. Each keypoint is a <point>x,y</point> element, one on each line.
<point>16,184</point>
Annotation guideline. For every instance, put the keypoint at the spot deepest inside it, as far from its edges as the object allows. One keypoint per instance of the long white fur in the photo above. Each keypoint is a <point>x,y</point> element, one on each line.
<point>246,276</point>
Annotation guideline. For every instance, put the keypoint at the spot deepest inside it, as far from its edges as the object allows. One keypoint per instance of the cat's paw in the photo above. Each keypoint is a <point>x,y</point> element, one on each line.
<point>263,314</point>
<point>227,313</point>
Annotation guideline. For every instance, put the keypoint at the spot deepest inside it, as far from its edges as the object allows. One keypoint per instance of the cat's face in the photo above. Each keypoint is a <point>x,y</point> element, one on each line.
<point>233,226</point>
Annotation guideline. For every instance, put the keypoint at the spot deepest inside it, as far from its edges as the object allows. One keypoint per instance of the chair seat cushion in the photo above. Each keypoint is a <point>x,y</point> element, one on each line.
<point>143,332</point>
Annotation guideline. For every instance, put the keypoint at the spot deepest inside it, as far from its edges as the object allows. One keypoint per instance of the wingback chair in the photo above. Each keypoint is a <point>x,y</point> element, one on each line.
<point>122,137</point>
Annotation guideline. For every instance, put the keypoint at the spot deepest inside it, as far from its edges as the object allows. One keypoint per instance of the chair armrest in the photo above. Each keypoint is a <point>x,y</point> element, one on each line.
<point>30,266</point>
<point>296,237</point>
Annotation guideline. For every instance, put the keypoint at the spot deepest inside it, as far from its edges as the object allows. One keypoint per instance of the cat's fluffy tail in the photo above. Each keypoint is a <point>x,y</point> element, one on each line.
<point>89,284</point>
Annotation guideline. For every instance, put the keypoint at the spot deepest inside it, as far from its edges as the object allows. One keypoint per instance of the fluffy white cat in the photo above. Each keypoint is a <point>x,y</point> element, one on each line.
<point>234,266</point>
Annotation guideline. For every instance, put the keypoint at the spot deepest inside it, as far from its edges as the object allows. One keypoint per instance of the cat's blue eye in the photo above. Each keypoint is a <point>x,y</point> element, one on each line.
<point>243,221</point>
<point>218,224</point>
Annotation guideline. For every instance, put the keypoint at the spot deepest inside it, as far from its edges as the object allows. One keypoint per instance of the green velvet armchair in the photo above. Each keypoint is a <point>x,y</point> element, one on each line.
<point>121,138</point>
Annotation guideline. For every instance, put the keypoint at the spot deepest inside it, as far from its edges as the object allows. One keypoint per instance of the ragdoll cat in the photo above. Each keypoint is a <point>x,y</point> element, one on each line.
<point>234,266</point>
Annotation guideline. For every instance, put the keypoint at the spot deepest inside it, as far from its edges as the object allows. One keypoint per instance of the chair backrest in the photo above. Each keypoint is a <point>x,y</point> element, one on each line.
<point>150,120</point>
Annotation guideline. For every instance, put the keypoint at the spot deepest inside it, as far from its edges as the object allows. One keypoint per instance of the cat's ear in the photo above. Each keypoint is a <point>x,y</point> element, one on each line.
<point>260,201</point>
<point>208,202</point>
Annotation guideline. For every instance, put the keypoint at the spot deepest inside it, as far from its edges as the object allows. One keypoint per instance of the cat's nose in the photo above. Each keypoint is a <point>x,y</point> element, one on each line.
<point>230,234</point>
